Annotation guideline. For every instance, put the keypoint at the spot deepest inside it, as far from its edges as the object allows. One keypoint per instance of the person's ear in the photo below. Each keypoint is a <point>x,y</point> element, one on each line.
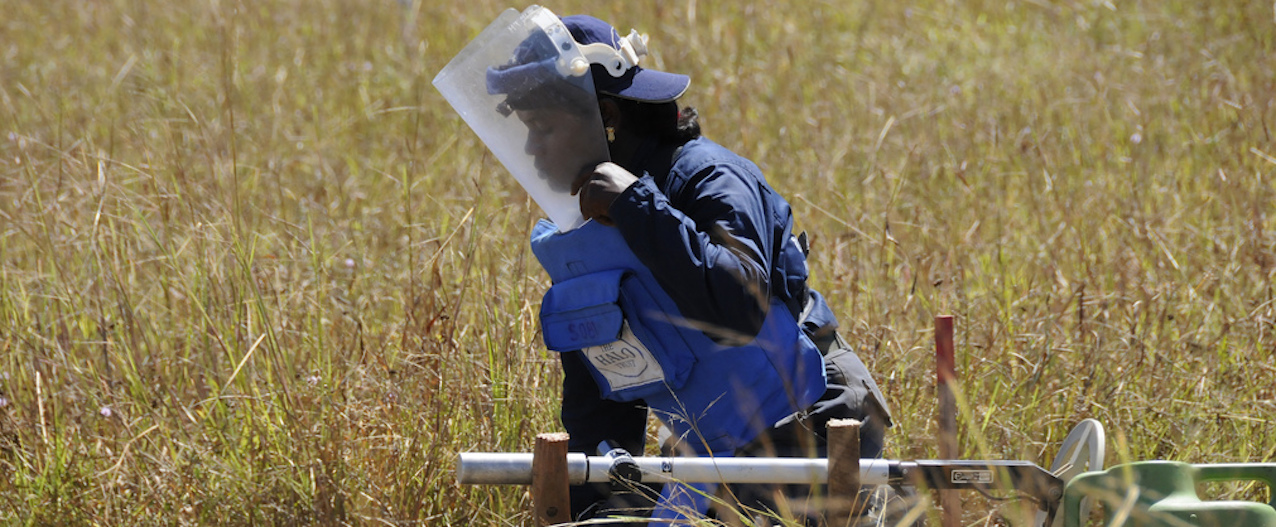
<point>612,117</point>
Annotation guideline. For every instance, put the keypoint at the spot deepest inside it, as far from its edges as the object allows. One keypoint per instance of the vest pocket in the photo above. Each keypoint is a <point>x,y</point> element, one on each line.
<point>582,312</point>
<point>626,337</point>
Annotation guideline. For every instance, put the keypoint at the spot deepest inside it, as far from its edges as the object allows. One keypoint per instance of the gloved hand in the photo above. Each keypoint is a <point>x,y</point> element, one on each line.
<point>598,187</point>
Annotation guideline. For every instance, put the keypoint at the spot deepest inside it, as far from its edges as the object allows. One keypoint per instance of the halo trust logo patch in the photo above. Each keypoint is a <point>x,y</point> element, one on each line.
<point>625,363</point>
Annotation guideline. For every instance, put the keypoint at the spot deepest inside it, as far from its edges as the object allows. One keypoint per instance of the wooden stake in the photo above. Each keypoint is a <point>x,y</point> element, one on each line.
<point>946,415</point>
<point>550,499</point>
<point>844,472</point>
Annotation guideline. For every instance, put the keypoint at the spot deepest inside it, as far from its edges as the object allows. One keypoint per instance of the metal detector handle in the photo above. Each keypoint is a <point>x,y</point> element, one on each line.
<point>1264,472</point>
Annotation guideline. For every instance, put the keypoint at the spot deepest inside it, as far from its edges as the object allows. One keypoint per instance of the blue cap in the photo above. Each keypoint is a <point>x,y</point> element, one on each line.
<point>639,84</point>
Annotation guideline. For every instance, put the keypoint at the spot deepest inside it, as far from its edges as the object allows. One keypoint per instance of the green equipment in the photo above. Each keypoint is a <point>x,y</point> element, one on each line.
<point>1163,493</point>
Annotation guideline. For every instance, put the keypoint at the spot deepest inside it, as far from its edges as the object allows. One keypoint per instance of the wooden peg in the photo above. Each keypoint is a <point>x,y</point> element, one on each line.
<point>844,504</point>
<point>550,499</point>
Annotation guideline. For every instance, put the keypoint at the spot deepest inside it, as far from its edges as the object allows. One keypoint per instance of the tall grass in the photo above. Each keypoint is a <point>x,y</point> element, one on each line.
<point>254,269</point>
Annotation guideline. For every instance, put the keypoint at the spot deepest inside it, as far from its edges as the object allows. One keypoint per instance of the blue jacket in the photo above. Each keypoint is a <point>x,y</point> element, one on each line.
<point>718,239</point>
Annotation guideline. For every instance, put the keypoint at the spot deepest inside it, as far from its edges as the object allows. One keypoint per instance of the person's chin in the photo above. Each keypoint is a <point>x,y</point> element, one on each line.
<point>555,184</point>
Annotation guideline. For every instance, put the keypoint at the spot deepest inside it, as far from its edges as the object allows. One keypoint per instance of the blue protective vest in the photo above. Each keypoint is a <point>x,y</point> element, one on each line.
<point>605,303</point>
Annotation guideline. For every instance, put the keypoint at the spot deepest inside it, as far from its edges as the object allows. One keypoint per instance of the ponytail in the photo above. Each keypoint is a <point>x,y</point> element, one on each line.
<point>664,121</point>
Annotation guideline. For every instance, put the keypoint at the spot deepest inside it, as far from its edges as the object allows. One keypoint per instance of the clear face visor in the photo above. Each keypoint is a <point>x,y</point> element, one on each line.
<point>523,86</point>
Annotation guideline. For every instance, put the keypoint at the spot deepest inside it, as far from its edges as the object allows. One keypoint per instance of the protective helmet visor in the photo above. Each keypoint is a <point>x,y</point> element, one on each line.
<point>523,86</point>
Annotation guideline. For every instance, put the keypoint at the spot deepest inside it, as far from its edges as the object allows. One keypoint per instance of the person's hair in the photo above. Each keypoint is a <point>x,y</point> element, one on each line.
<point>664,121</point>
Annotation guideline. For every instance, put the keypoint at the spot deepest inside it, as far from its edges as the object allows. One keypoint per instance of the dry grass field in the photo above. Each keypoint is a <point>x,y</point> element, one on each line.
<point>254,269</point>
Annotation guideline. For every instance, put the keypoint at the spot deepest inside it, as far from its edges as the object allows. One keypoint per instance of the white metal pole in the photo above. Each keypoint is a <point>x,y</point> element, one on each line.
<point>491,468</point>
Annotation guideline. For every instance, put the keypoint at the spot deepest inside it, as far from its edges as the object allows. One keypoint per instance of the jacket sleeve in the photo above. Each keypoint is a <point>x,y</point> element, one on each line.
<point>710,250</point>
